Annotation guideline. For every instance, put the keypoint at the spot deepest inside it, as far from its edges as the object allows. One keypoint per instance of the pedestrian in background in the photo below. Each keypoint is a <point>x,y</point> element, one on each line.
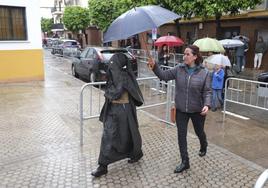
<point>121,137</point>
<point>240,55</point>
<point>192,99</point>
<point>228,73</point>
<point>205,62</point>
<point>163,56</point>
<point>260,49</point>
<point>217,86</point>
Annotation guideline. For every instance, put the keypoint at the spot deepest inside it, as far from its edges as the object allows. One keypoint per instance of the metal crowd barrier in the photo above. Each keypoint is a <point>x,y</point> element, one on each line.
<point>92,95</point>
<point>142,60</point>
<point>262,179</point>
<point>139,53</point>
<point>246,92</point>
<point>175,58</point>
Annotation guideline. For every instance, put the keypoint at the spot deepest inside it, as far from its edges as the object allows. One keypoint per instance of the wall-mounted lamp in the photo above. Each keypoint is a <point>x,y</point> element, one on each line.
<point>200,25</point>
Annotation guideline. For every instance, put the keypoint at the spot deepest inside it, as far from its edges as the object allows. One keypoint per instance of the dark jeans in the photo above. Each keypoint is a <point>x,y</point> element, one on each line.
<point>216,98</point>
<point>198,121</point>
<point>240,62</point>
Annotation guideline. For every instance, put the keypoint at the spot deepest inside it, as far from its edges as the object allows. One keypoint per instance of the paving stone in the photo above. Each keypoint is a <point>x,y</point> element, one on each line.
<point>40,147</point>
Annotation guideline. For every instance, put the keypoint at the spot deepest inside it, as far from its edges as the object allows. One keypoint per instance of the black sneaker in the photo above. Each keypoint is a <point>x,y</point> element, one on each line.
<point>182,167</point>
<point>101,170</point>
<point>136,159</point>
<point>202,152</point>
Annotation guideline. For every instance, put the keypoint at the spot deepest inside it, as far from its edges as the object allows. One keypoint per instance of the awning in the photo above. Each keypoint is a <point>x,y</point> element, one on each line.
<point>57,27</point>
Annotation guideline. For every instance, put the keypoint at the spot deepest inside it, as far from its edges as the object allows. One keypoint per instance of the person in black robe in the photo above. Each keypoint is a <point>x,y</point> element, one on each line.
<point>121,137</point>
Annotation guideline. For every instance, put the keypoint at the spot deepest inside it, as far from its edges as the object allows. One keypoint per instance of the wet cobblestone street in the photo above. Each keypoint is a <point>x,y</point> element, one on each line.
<point>39,145</point>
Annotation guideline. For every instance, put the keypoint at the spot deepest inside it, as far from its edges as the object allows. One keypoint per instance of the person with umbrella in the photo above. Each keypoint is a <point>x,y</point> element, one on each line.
<point>163,56</point>
<point>217,86</point>
<point>121,137</point>
<point>192,99</point>
<point>165,42</point>
<point>240,55</point>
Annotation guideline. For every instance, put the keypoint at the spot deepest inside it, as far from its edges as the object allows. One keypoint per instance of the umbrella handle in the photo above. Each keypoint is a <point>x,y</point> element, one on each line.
<point>147,52</point>
<point>150,66</point>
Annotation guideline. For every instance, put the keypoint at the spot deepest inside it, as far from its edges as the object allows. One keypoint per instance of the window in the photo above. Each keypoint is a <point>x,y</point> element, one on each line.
<point>264,35</point>
<point>84,53</point>
<point>90,53</point>
<point>229,32</point>
<point>12,23</point>
<point>190,37</point>
<point>70,43</point>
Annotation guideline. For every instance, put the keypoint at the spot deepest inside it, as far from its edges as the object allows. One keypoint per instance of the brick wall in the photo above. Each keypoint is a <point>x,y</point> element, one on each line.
<point>248,27</point>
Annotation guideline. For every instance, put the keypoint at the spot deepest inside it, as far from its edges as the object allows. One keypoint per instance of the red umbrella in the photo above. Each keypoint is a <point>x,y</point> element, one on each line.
<point>169,41</point>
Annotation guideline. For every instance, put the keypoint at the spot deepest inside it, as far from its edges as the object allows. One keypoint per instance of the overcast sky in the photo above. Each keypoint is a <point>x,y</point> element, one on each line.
<point>46,12</point>
<point>45,7</point>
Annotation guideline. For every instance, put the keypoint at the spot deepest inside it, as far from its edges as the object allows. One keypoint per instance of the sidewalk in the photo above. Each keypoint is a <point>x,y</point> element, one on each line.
<point>250,74</point>
<point>39,147</point>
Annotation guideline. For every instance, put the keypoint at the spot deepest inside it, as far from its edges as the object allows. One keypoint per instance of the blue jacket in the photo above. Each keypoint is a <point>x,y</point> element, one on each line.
<point>218,79</point>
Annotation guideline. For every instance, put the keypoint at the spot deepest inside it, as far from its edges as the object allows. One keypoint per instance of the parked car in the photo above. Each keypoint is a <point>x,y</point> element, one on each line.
<point>65,47</point>
<point>262,89</point>
<point>48,42</point>
<point>263,77</point>
<point>92,63</point>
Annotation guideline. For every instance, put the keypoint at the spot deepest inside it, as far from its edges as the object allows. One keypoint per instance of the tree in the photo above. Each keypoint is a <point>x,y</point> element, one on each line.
<point>102,13</point>
<point>170,5</point>
<point>46,24</point>
<point>214,8</point>
<point>76,18</point>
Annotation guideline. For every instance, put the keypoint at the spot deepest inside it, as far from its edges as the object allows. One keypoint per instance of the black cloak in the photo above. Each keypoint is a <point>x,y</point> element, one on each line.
<point>121,137</point>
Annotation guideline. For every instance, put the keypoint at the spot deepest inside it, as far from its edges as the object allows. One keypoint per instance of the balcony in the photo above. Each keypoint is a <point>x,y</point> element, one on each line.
<point>56,11</point>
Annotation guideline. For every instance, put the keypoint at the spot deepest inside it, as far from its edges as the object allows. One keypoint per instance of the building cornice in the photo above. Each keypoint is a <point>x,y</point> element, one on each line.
<point>243,15</point>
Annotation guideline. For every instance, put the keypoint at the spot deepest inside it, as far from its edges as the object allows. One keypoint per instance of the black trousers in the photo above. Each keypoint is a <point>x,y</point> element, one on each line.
<point>198,121</point>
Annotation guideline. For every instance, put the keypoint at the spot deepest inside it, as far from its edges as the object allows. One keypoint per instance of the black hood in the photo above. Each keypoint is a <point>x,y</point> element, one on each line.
<point>120,77</point>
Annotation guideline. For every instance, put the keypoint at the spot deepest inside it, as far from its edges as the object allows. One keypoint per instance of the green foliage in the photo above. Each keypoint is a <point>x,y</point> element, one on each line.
<point>215,8</point>
<point>211,8</point>
<point>76,18</point>
<point>46,24</point>
<point>102,13</point>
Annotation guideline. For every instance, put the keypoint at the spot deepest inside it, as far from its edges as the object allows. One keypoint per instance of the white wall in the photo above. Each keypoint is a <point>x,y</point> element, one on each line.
<point>84,3</point>
<point>33,26</point>
<point>45,8</point>
<point>263,5</point>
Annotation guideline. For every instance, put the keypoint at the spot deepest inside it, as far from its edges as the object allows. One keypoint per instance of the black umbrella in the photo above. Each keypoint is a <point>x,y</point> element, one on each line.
<point>137,20</point>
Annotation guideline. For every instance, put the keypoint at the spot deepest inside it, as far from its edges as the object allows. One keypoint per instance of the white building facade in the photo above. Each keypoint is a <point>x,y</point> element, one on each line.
<point>21,54</point>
